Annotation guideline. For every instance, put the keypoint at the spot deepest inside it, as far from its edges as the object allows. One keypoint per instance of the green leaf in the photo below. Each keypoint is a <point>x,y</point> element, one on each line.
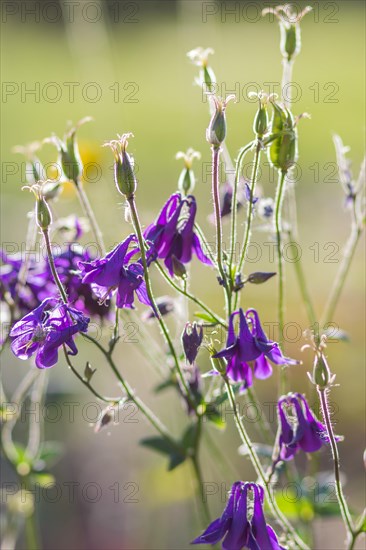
<point>164,447</point>
<point>49,454</point>
<point>158,444</point>
<point>165,385</point>
<point>224,396</point>
<point>189,436</point>
<point>213,415</point>
<point>175,460</point>
<point>206,317</point>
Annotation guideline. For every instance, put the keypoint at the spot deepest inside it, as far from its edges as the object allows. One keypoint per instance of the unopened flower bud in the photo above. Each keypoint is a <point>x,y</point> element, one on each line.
<point>89,372</point>
<point>124,174</point>
<point>216,131</point>
<point>187,180</point>
<point>192,339</point>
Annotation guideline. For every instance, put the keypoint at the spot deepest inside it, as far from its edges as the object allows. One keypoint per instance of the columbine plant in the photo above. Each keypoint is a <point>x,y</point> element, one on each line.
<point>50,303</point>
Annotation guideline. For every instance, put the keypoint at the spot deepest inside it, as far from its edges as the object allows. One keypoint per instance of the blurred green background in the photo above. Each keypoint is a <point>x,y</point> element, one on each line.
<point>133,56</point>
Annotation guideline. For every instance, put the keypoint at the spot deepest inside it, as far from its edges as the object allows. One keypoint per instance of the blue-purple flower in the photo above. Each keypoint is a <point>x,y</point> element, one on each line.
<point>172,234</point>
<point>299,428</point>
<point>45,329</point>
<point>29,295</point>
<point>242,524</point>
<point>79,293</point>
<point>248,351</point>
<point>116,272</point>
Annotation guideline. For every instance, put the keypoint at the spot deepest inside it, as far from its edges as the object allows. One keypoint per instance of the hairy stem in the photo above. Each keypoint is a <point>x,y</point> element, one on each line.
<point>286,526</point>
<point>302,284</point>
<point>234,201</point>
<point>333,444</point>
<point>280,192</point>
<point>341,275</point>
<point>248,225</point>
<point>164,328</point>
<point>189,295</point>
<point>53,267</point>
<point>149,415</point>
<point>217,212</point>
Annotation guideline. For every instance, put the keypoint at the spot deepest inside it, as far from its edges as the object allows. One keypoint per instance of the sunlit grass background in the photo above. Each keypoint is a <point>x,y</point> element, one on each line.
<point>168,114</point>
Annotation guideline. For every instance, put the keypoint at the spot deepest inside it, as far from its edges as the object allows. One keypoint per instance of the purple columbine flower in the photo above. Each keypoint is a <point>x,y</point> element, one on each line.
<point>238,527</point>
<point>36,287</point>
<point>299,431</point>
<point>172,235</point>
<point>116,272</point>
<point>192,339</point>
<point>45,329</point>
<point>79,293</point>
<point>250,349</point>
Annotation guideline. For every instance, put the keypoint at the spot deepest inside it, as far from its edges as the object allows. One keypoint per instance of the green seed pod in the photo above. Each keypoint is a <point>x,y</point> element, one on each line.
<point>208,78</point>
<point>218,363</point>
<point>282,152</point>
<point>124,173</point>
<point>43,213</point>
<point>216,131</point>
<point>321,373</point>
<point>290,40</point>
<point>71,163</point>
<point>260,124</point>
<point>186,181</point>
<point>124,176</point>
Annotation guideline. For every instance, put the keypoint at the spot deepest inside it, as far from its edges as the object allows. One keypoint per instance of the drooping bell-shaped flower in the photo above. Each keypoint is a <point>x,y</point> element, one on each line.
<point>299,429</point>
<point>249,351</point>
<point>242,524</point>
<point>172,235</point>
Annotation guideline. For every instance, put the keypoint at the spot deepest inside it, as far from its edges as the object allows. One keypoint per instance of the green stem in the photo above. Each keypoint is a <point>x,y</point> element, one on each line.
<point>234,209</point>
<point>302,284</point>
<point>109,400</point>
<point>264,427</point>
<point>248,226</point>
<point>341,275</point>
<point>31,533</point>
<point>286,526</point>
<point>164,328</point>
<point>52,266</point>
<point>149,415</point>
<point>203,505</point>
<point>280,192</point>
<point>190,296</point>
<point>216,200</point>
<point>84,201</point>
<point>333,444</point>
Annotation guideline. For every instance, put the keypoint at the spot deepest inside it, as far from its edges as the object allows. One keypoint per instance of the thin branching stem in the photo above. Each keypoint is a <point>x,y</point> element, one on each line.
<point>346,515</point>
